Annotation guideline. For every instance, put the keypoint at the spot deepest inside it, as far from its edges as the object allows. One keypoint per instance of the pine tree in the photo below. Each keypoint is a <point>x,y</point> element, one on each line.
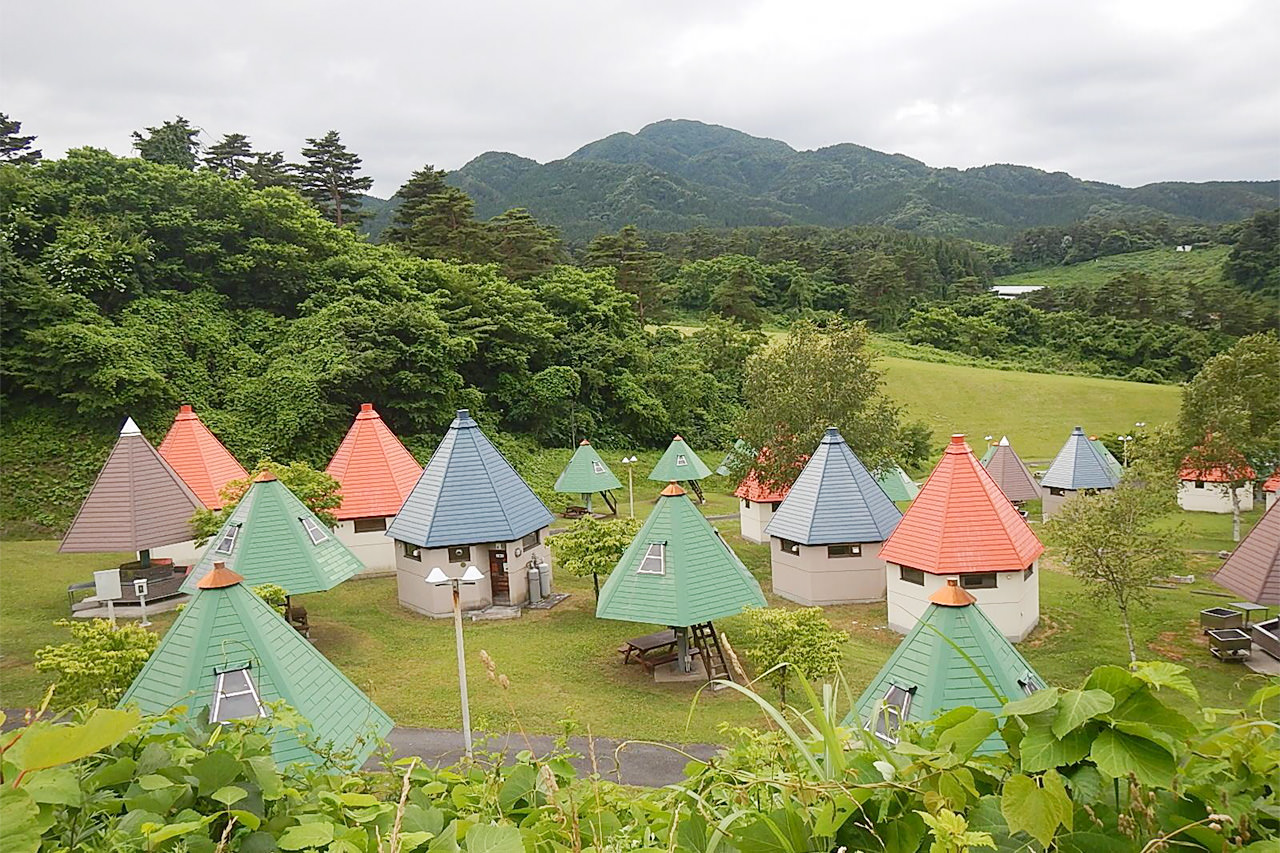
<point>435,220</point>
<point>523,245</point>
<point>269,169</point>
<point>415,201</point>
<point>636,267</point>
<point>230,157</point>
<point>173,143</point>
<point>328,178</point>
<point>13,147</point>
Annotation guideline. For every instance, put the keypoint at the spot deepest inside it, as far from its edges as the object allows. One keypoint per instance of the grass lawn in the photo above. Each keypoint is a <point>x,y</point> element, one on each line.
<point>1201,265</point>
<point>562,664</point>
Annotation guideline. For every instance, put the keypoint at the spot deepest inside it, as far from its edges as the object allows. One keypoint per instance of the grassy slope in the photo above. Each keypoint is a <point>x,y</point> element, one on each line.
<point>1192,267</point>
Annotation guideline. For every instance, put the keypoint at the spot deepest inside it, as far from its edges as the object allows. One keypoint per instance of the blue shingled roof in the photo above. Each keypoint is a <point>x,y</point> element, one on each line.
<point>468,493</point>
<point>835,499</point>
<point>1079,465</point>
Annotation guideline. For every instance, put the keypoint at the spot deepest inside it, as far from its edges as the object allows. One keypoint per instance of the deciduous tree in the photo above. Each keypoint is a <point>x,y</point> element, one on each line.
<point>799,642</point>
<point>329,178</point>
<point>592,547</point>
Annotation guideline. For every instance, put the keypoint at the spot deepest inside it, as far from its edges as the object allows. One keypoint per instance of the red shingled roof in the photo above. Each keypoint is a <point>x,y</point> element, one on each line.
<point>1272,483</point>
<point>1216,474</point>
<point>376,471</point>
<point>753,490</point>
<point>961,522</point>
<point>199,458</point>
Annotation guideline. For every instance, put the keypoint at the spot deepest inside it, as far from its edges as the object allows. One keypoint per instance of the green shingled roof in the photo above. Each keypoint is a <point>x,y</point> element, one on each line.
<point>228,627</point>
<point>272,544</point>
<point>939,675</point>
<point>701,579</point>
<point>678,464</point>
<point>896,484</point>
<point>1105,453</point>
<point>586,473</point>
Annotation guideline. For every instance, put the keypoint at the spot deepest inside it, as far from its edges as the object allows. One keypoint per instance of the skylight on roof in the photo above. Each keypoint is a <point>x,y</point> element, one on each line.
<point>1029,683</point>
<point>890,713</point>
<point>681,460</point>
<point>315,531</point>
<point>655,560</point>
<point>235,697</point>
<point>228,541</point>
<point>597,467</point>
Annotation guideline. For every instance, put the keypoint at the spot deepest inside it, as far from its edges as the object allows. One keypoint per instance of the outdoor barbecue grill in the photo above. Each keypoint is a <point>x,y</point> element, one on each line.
<point>1230,644</point>
<point>1220,617</point>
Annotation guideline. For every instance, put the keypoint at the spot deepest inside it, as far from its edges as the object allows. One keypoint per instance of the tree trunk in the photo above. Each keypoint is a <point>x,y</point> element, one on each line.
<point>337,207</point>
<point>1235,513</point>
<point>1128,635</point>
<point>595,582</point>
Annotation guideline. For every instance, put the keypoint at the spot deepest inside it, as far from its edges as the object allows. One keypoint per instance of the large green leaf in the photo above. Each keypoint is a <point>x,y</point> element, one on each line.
<point>968,735</point>
<point>1144,707</point>
<point>1077,706</point>
<point>55,785</point>
<point>1117,681</point>
<point>1036,810</point>
<point>780,831</point>
<point>49,747</point>
<point>19,830</point>
<point>493,839</point>
<point>1162,673</point>
<point>216,770</point>
<point>1041,700</point>
<point>1041,750</point>
<point>1118,754</point>
<point>306,835</point>
<point>521,783</point>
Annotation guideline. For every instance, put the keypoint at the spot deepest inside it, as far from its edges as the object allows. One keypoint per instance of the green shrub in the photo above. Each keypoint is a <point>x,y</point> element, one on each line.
<point>100,665</point>
<point>800,641</point>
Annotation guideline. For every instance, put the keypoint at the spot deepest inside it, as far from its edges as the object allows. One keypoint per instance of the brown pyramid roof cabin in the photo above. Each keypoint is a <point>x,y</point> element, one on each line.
<point>137,503</point>
<point>1010,474</point>
<point>1253,569</point>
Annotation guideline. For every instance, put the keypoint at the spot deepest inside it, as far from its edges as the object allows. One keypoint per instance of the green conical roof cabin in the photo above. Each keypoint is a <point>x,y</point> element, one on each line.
<point>229,653</point>
<point>271,537</point>
<point>927,675</point>
<point>679,464</point>
<point>586,474</point>
<point>896,484</point>
<point>677,571</point>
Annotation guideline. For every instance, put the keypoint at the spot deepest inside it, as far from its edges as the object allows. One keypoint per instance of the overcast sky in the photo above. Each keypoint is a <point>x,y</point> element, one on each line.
<point>1121,91</point>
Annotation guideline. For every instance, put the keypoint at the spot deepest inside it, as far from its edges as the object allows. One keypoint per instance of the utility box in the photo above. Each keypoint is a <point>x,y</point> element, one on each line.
<point>106,585</point>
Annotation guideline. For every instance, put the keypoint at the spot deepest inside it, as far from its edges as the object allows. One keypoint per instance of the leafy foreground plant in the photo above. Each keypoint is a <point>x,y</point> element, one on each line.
<point>1109,766</point>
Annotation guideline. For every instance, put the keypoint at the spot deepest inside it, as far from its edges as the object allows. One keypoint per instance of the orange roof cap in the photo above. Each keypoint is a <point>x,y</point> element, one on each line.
<point>952,595</point>
<point>265,476</point>
<point>219,577</point>
<point>584,443</point>
<point>672,490</point>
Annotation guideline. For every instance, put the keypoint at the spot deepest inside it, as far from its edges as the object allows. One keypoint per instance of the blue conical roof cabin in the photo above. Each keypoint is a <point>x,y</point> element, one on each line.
<point>586,474</point>
<point>229,654</point>
<point>1078,467</point>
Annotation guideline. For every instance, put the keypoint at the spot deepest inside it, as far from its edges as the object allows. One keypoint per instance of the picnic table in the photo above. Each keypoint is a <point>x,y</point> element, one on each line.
<point>641,647</point>
<point>1249,608</point>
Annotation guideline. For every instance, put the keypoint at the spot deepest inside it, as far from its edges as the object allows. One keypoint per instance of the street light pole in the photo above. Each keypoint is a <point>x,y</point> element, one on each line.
<point>469,577</point>
<point>631,490</point>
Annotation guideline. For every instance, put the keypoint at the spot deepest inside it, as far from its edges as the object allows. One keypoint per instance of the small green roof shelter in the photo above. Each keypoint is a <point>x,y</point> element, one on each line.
<point>681,465</point>
<point>586,474</point>
<point>896,484</point>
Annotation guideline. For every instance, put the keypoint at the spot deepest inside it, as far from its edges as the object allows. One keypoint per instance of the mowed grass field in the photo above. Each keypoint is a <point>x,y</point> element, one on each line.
<point>1194,267</point>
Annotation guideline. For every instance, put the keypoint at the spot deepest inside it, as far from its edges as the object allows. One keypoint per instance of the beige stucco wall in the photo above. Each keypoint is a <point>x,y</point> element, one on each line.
<point>812,578</point>
<point>1214,497</point>
<point>182,553</point>
<point>1013,606</point>
<point>373,549</point>
<point>1051,503</point>
<point>418,595</point>
<point>753,519</point>
<point>1271,498</point>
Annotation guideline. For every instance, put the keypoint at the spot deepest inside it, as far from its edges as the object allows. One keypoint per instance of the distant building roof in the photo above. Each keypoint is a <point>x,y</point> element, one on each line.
<point>1272,483</point>
<point>835,499</point>
<point>752,489</point>
<point>1105,452</point>
<point>1235,470</point>
<point>1079,465</point>
<point>228,629</point>
<point>961,522</point>
<point>586,473</point>
<point>1010,474</point>
<point>203,463</point>
<point>739,446</point>
<point>271,537</point>
<point>1253,569</point>
<point>679,463</point>
<point>138,501</point>
<point>468,493</point>
<point>677,571</point>
<point>1013,291</point>
<point>376,471</point>
<point>896,484</point>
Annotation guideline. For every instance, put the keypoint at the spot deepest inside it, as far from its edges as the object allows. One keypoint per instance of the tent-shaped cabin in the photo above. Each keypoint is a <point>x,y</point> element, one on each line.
<point>204,464</point>
<point>896,484</point>
<point>826,536</point>
<point>1105,452</point>
<point>679,464</point>
<point>586,475</point>
<point>927,675</point>
<point>961,527</point>
<point>469,508</point>
<point>1078,467</point>
<point>272,537</point>
<point>1011,474</point>
<point>376,472</point>
<point>1208,489</point>
<point>679,572</point>
<point>1271,488</point>
<point>1253,569</point>
<point>229,654</point>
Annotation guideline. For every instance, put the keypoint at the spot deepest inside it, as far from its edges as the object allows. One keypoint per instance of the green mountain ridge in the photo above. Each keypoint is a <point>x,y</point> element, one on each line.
<point>679,174</point>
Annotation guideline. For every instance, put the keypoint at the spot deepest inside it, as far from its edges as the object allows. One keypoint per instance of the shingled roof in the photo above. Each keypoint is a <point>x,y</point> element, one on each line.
<point>376,471</point>
<point>961,522</point>
<point>835,499</point>
<point>1079,465</point>
<point>939,677</point>
<point>1272,483</point>
<point>1105,452</point>
<point>896,484</point>
<point>138,501</point>
<point>586,473</point>
<point>677,571</point>
<point>1010,474</point>
<point>271,537</point>
<point>468,493</point>
<point>203,463</point>
<point>226,627</point>
<point>1253,569</point>
<point>679,463</point>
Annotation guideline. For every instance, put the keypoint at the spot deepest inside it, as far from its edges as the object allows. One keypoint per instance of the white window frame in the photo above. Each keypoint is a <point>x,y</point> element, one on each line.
<point>533,540</point>
<point>219,694</point>
<point>681,460</point>
<point>893,714</point>
<point>227,543</point>
<point>597,466</point>
<point>312,528</point>
<point>410,551</point>
<point>1029,683</point>
<point>649,554</point>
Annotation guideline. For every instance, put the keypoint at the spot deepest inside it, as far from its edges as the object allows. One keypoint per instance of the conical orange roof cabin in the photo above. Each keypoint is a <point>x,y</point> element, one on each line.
<point>203,463</point>
<point>376,472</point>
<point>961,526</point>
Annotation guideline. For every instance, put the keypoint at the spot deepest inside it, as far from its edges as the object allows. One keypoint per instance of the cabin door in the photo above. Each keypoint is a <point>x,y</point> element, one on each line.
<point>498,579</point>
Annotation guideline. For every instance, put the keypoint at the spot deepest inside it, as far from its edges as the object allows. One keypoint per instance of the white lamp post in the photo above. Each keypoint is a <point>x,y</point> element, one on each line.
<point>1125,439</point>
<point>469,577</point>
<point>629,461</point>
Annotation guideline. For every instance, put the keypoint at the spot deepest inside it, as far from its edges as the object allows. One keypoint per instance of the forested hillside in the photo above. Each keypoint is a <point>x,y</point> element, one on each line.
<point>677,175</point>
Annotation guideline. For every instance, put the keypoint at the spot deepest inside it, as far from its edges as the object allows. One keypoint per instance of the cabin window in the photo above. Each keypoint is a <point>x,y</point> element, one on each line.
<point>413,552</point>
<point>235,697</point>
<point>1029,683</point>
<point>844,550</point>
<point>746,504</point>
<point>460,554</point>
<point>314,530</point>
<point>228,541</point>
<point>681,460</point>
<point>1057,493</point>
<point>1029,571</point>
<point>979,580</point>
<point>774,506</point>
<point>370,525</point>
<point>531,540</point>
<point>890,713</point>
<point>789,547</point>
<point>597,467</point>
<point>655,560</point>
<point>1199,484</point>
<point>911,575</point>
